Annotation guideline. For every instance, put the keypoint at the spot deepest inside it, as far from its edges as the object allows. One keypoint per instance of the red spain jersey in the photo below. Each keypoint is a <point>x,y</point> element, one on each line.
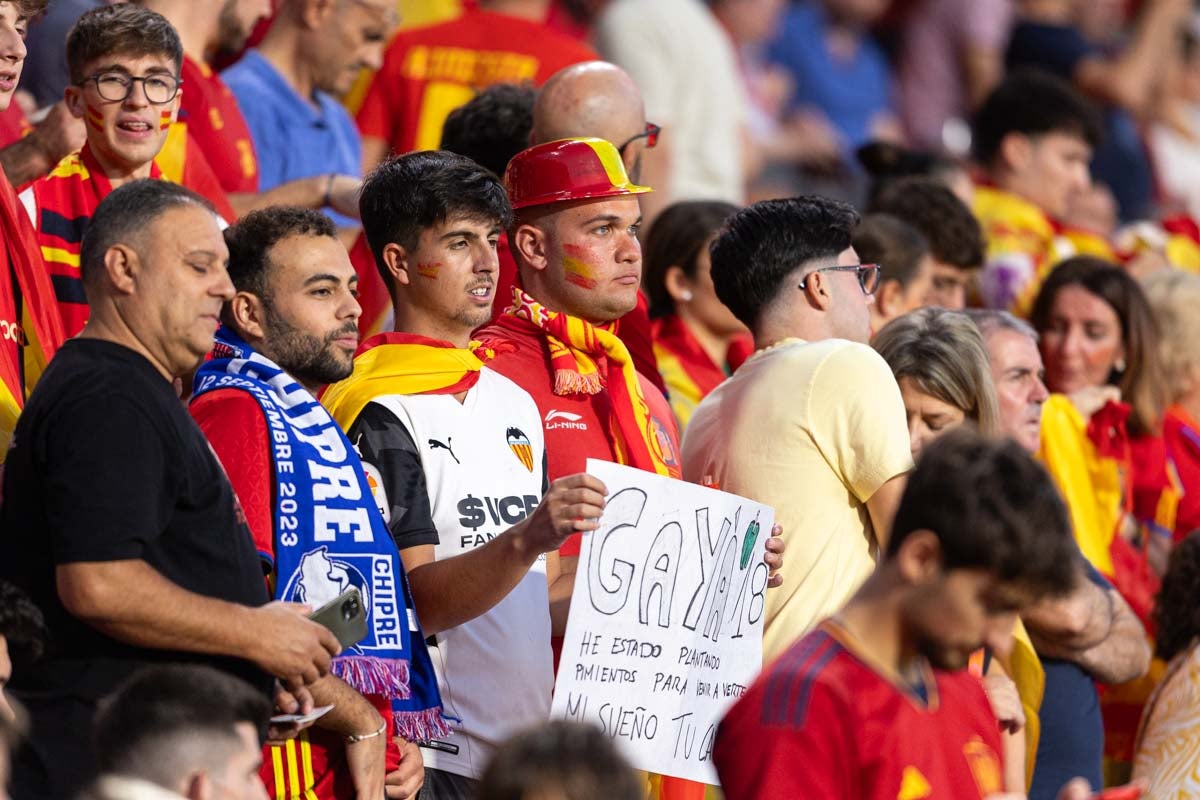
<point>822,723</point>
<point>210,114</point>
<point>430,71</point>
<point>13,125</point>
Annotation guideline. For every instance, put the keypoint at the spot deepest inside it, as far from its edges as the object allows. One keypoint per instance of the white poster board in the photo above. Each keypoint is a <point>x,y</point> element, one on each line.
<point>665,630</point>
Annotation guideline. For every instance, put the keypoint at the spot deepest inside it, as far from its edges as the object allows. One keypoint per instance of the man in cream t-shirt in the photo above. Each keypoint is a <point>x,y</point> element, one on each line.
<point>812,424</point>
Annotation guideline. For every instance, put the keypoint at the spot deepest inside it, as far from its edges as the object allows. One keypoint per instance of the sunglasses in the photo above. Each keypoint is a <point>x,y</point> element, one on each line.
<point>650,135</point>
<point>868,275</point>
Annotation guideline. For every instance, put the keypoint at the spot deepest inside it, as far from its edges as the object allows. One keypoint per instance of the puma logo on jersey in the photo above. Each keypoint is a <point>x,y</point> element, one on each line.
<point>434,444</point>
<point>556,420</point>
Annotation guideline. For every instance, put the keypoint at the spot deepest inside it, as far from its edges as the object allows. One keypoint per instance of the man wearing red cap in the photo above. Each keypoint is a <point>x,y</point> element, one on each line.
<point>574,236</point>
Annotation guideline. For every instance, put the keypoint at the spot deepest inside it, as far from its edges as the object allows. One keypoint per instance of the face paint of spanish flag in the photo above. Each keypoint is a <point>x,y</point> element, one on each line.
<point>94,117</point>
<point>576,267</point>
<point>429,270</point>
<point>164,120</point>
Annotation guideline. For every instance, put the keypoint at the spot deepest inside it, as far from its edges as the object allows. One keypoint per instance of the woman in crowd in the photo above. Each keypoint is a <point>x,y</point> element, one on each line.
<point>941,365</point>
<point>1101,441</point>
<point>1101,427</point>
<point>1168,741</point>
<point>697,340</point>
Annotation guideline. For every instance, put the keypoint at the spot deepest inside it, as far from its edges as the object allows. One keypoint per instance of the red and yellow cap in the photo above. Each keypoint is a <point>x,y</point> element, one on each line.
<point>567,169</point>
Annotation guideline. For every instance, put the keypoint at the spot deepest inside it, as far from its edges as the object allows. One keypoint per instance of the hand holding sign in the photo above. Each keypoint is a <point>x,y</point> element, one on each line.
<point>665,629</point>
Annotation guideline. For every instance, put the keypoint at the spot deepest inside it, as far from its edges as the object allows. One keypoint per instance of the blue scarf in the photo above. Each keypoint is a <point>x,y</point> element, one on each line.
<point>330,535</point>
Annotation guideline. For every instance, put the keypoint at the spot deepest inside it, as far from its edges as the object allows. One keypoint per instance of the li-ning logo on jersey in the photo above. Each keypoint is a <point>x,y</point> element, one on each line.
<point>518,442</point>
<point>556,420</point>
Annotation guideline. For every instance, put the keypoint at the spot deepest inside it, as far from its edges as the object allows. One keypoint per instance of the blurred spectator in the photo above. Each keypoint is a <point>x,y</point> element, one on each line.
<point>1168,741</point>
<point>288,88</point>
<point>213,137</point>
<point>1174,298</point>
<point>1175,141</point>
<point>22,638</point>
<point>180,732</point>
<point>951,56</point>
<point>427,72</point>
<point>560,761</point>
<point>46,74</point>
<point>955,238</point>
<point>814,395</point>
<point>693,330</point>
<point>942,369</point>
<point>493,126</point>
<point>906,268</point>
<point>29,321</point>
<point>117,518</point>
<point>124,62</point>
<point>1034,137</point>
<point>1123,78</point>
<point>598,99</point>
<point>686,69</point>
<point>887,162</point>
<point>838,70</point>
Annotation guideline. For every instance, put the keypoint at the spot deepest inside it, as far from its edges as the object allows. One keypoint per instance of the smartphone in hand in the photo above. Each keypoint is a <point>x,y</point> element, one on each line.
<point>344,615</point>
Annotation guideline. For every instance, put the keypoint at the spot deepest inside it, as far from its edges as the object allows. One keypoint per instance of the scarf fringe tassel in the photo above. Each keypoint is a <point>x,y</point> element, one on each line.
<point>420,726</point>
<point>380,676</point>
<point>568,381</point>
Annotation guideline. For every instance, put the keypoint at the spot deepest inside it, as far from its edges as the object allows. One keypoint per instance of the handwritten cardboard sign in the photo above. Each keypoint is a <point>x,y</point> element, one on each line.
<point>665,630</point>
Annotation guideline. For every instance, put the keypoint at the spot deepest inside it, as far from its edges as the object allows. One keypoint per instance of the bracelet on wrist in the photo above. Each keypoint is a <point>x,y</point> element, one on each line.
<point>354,738</point>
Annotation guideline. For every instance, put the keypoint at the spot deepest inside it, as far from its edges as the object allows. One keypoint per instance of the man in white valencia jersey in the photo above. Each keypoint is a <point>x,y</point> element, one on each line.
<point>455,454</point>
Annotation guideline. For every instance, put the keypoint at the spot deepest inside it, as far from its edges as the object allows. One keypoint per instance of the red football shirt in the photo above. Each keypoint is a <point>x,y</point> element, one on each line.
<point>821,723</point>
<point>430,71</point>
<point>576,425</point>
<point>234,424</point>
<point>215,123</point>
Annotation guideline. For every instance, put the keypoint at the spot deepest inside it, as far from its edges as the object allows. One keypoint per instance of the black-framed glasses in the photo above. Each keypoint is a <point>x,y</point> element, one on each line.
<point>868,275</point>
<point>116,86</point>
<point>650,134</point>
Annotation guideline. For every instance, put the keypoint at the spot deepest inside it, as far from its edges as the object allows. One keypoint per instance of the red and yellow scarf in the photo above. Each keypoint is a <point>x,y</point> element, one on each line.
<point>27,296</point>
<point>400,363</point>
<point>588,359</point>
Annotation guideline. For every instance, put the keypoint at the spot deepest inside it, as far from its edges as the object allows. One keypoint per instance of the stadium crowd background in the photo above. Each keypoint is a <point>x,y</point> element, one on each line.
<point>1014,184</point>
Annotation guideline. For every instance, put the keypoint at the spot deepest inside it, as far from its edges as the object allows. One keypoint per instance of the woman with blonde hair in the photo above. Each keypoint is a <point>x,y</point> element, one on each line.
<point>941,365</point>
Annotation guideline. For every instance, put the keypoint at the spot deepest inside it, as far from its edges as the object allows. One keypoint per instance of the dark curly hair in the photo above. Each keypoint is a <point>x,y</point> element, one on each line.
<point>125,29</point>
<point>954,235</point>
<point>1176,612</point>
<point>22,626</point>
<point>492,127</point>
<point>251,238</point>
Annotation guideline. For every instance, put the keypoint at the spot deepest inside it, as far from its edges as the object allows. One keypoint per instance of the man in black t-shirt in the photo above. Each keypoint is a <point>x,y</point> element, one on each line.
<point>118,519</point>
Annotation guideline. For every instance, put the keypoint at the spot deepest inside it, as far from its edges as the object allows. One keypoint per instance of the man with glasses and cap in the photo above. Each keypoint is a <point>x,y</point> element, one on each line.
<point>124,62</point>
<point>812,424</point>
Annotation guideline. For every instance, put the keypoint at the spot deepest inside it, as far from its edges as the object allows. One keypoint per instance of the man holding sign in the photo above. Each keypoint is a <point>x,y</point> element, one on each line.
<point>455,457</point>
<point>875,703</point>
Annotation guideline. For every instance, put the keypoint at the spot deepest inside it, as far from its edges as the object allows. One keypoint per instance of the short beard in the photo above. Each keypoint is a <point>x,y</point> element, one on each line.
<point>309,359</point>
<point>231,36</point>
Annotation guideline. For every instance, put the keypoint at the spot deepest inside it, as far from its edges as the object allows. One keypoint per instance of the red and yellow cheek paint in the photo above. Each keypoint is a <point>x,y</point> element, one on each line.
<point>164,120</point>
<point>429,271</point>
<point>577,267</point>
<point>93,117</point>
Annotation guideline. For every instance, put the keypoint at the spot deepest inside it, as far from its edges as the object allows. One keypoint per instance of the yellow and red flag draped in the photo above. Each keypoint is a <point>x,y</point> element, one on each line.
<point>42,331</point>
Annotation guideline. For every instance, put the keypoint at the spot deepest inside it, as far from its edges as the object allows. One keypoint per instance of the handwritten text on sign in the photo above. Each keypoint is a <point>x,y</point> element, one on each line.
<point>665,630</point>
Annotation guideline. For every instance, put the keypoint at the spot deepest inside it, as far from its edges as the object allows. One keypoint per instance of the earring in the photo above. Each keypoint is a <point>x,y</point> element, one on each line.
<point>1119,366</point>
<point>685,296</point>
